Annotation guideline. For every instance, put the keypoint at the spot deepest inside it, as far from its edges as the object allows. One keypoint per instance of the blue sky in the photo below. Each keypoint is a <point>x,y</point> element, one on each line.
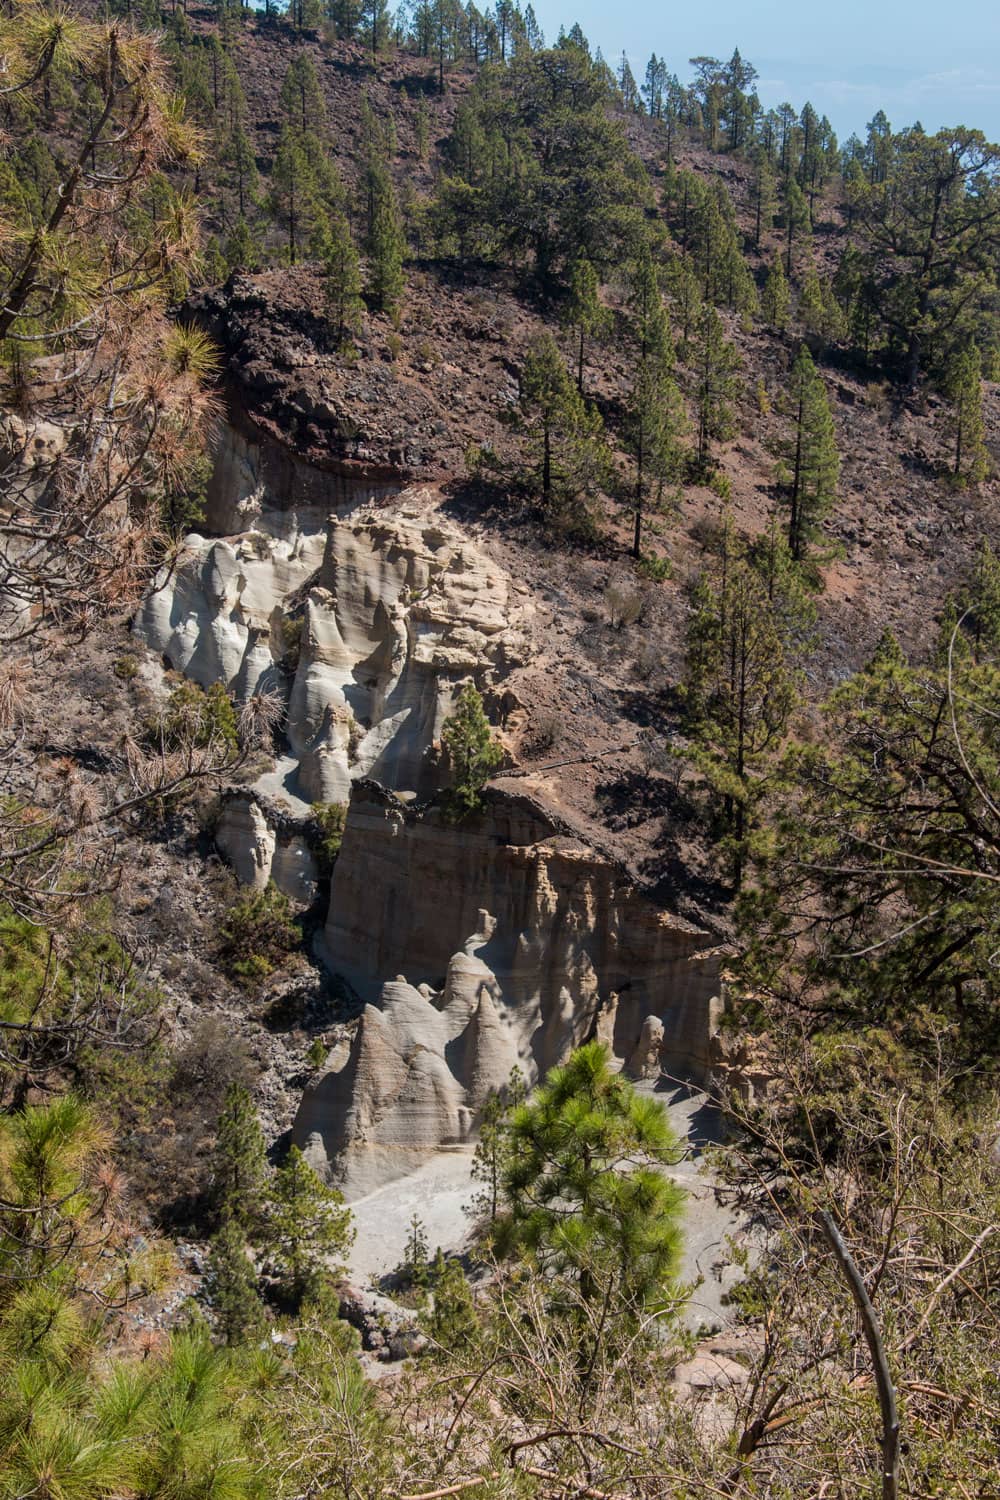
<point>917,61</point>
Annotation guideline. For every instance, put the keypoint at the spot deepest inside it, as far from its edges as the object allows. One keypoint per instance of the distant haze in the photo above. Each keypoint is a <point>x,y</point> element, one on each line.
<point>916,61</point>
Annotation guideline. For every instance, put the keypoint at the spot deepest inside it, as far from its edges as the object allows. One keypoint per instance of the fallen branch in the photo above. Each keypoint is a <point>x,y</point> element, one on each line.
<point>451,1489</point>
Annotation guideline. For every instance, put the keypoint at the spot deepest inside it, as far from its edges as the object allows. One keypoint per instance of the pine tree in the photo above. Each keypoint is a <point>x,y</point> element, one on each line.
<point>655,416</point>
<point>764,196</point>
<point>238,157</point>
<point>685,291</point>
<point>489,1161</point>
<point>572,451</point>
<point>796,211</point>
<point>970,623</point>
<point>964,388</point>
<point>584,310</point>
<point>386,242</point>
<point>473,752</point>
<point>834,324</point>
<point>740,691</point>
<point>656,420</point>
<point>627,84</point>
<point>811,299</point>
<point>375,25</point>
<point>415,1266</point>
<point>243,250</point>
<point>813,451</point>
<point>301,98</point>
<point>453,1321</point>
<point>341,274</point>
<point>232,1288</point>
<point>717,363</point>
<point>306,1225</point>
<point>776,299</point>
<point>240,1170</point>
<point>533,34</point>
<point>588,1200</point>
<point>292,185</point>
<point>422,129</point>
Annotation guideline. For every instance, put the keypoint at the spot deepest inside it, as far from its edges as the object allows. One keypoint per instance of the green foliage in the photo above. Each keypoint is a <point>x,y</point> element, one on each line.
<point>572,458</point>
<point>764,197</point>
<point>192,1448</point>
<point>415,1265</point>
<point>586,1196</point>
<point>306,1227</point>
<point>231,1286</point>
<point>48,1195</point>
<point>776,299</point>
<point>473,753</point>
<point>316,1054</point>
<point>584,309</point>
<point>259,932</point>
<point>386,242</point>
<point>70,1001</point>
<point>291,189</point>
<point>884,837</point>
<point>328,819</point>
<point>932,234</point>
<point>452,1320</point>
<point>796,214</point>
<point>711,240</point>
<point>542,169</point>
<point>422,128</point>
<point>240,1170</point>
<point>720,484</point>
<point>334,248</point>
<point>740,688</point>
<point>970,624</point>
<point>182,502</point>
<point>79,1428</point>
<point>964,389</point>
<point>814,457</point>
<point>301,98</point>
<point>492,1154</point>
<point>655,418</point>
<point>716,364</point>
<point>196,718</point>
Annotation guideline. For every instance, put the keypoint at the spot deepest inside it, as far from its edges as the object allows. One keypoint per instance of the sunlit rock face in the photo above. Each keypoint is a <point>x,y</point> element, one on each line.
<point>261,845</point>
<point>478,946</point>
<point>366,621</point>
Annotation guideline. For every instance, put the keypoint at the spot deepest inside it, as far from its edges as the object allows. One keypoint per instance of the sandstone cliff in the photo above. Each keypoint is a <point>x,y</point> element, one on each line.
<point>499,941</point>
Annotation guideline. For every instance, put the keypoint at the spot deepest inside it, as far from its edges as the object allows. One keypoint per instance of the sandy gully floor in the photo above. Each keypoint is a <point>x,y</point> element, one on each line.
<point>439,1192</point>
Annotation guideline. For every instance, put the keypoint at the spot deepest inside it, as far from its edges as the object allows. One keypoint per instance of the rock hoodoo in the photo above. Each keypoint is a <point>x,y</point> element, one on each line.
<point>367,621</point>
<point>508,941</point>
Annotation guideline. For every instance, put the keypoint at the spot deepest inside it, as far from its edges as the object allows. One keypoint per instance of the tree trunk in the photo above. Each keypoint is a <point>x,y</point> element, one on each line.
<point>879,1359</point>
<point>794,519</point>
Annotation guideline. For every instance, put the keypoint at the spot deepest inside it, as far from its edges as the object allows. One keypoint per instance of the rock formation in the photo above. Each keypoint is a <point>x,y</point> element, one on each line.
<point>367,621</point>
<point>261,845</point>
<point>506,939</point>
<point>562,947</point>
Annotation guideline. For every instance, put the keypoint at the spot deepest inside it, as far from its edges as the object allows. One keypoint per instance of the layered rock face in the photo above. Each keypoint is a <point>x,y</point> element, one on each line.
<point>366,620</point>
<point>253,475</point>
<point>509,941</point>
